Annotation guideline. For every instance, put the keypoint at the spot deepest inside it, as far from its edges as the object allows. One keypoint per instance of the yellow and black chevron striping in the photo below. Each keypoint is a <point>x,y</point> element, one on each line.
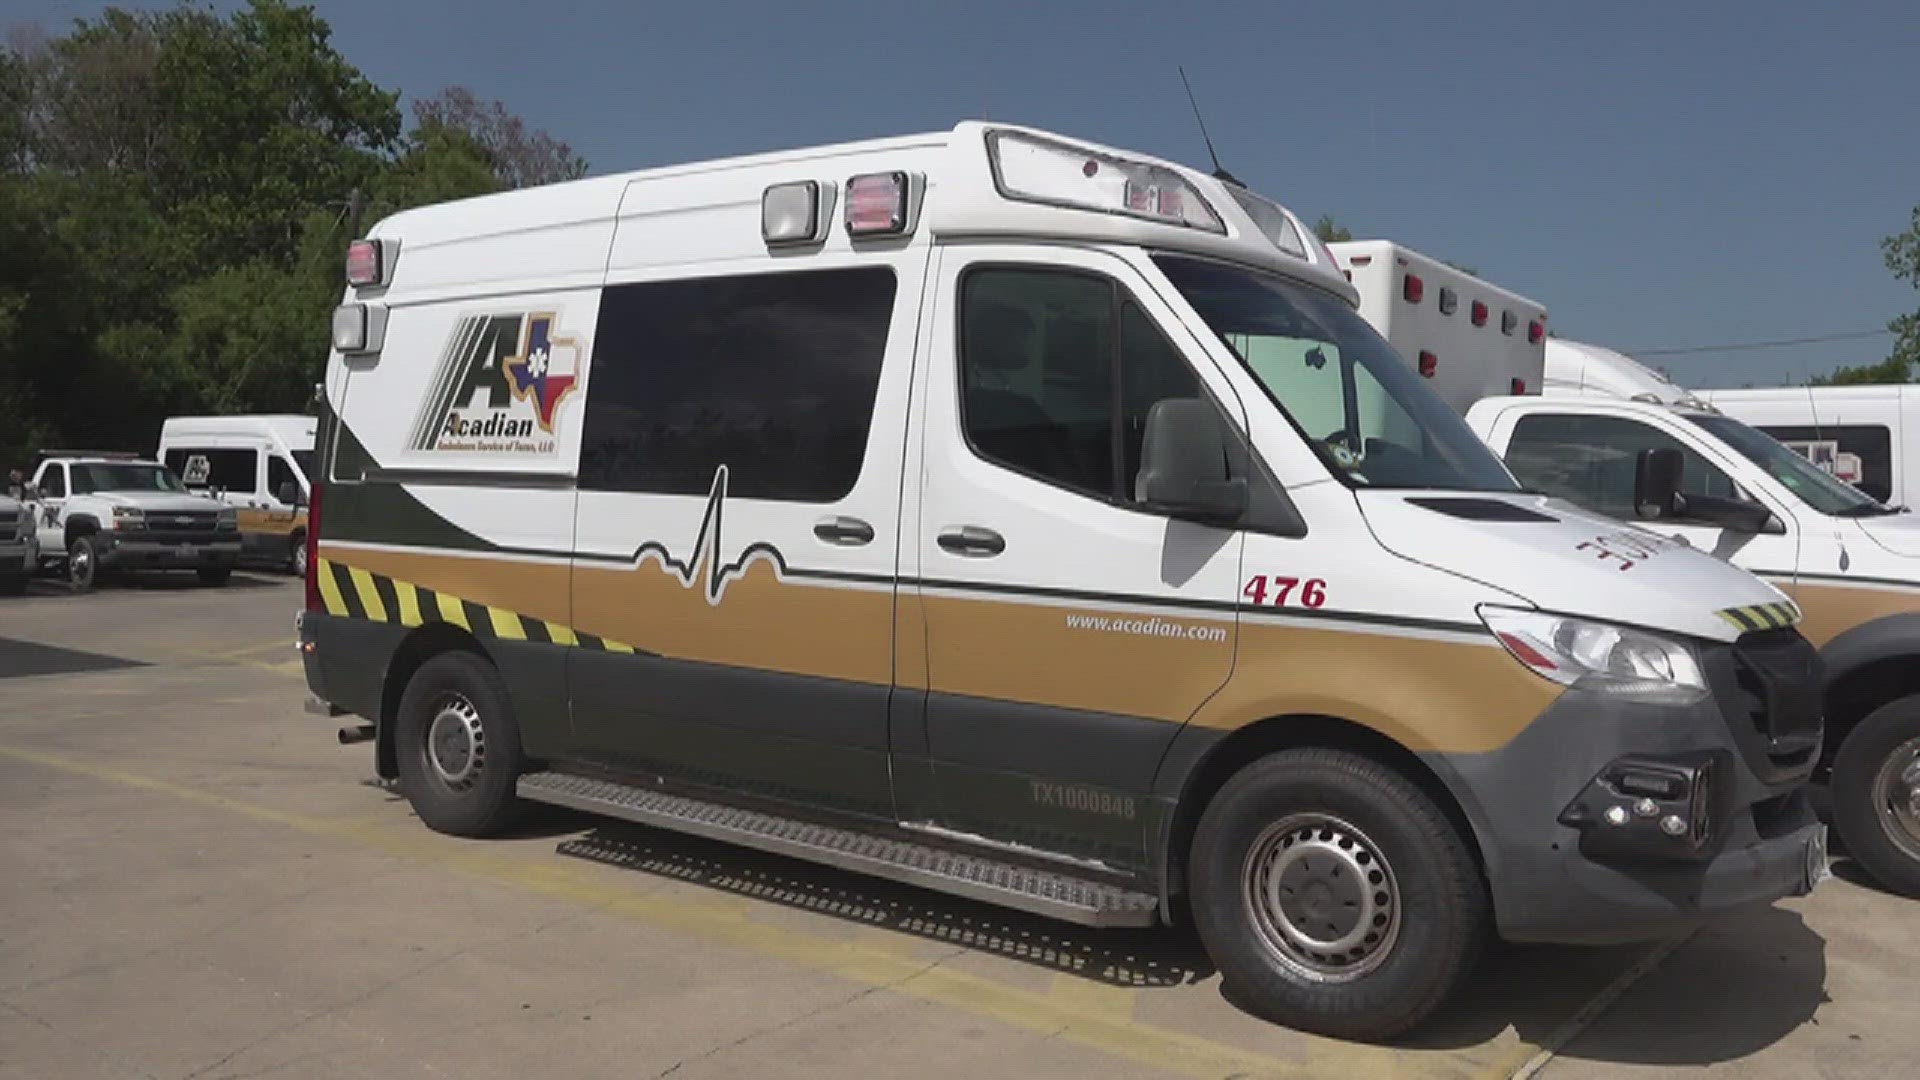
<point>1761,616</point>
<point>353,593</point>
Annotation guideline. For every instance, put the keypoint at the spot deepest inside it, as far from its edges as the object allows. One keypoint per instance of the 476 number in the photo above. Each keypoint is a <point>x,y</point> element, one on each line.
<point>1312,592</point>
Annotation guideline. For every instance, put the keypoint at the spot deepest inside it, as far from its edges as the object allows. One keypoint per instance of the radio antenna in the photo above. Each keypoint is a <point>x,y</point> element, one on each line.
<point>1218,172</point>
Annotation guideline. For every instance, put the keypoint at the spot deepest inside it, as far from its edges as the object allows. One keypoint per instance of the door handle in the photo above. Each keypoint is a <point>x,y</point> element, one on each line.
<point>973,541</point>
<point>847,531</point>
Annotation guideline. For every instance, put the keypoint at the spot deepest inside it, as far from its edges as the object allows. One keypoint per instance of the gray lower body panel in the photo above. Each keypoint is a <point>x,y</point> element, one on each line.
<point>1044,892</point>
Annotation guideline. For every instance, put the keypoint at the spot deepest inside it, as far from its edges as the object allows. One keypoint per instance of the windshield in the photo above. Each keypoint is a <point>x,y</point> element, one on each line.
<point>1815,486</point>
<point>1359,405</point>
<point>91,478</point>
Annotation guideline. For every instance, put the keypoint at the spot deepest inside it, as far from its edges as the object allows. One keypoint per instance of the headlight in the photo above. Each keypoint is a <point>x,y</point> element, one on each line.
<point>129,517</point>
<point>1620,662</point>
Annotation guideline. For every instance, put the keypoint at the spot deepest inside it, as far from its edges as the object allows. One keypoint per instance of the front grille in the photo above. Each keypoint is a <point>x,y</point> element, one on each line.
<point>182,520</point>
<point>1770,686</point>
<point>181,536</point>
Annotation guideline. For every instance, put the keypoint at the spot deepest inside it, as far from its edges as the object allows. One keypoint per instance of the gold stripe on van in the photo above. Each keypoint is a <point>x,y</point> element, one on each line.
<point>362,599</point>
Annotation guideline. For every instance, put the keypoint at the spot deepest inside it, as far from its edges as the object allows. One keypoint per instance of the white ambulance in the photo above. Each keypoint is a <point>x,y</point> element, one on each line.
<point>1664,459</point>
<point>1467,337</point>
<point>937,507</point>
<point>1868,436</point>
<point>257,464</point>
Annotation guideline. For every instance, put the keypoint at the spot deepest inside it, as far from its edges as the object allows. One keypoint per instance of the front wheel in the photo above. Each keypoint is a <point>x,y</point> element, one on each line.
<point>297,557</point>
<point>1876,794</point>
<point>1334,895</point>
<point>459,746</point>
<point>83,564</point>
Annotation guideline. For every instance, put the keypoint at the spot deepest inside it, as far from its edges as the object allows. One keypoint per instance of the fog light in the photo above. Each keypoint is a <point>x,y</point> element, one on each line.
<point>1647,808</point>
<point>1673,825</point>
<point>1616,815</point>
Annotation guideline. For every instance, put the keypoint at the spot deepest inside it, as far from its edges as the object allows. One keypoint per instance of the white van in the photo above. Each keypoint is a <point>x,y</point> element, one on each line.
<point>259,465</point>
<point>1574,367</point>
<point>1868,436</point>
<point>1468,337</point>
<point>934,507</point>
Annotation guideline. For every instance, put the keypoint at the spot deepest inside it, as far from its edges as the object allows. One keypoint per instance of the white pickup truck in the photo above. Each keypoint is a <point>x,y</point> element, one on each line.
<point>100,512</point>
<point>19,550</point>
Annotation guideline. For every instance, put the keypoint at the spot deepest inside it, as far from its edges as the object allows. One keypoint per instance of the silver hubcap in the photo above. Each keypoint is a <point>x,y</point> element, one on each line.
<point>456,743</point>
<point>1322,898</point>
<point>1896,795</point>
<point>82,559</point>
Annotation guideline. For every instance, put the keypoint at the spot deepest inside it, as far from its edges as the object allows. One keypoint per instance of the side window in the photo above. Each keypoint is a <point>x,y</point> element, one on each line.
<point>1591,460</point>
<point>1058,371</point>
<point>53,485</point>
<point>279,473</point>
<point>771,375</point>
<point>220,470</point>
<point>1860,454</point>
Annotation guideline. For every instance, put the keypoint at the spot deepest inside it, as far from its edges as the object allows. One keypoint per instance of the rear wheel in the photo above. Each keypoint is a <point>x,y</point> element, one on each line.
<point>214,575</point>
<point>459,747</point>
<point>1334,895</point>
<point>297,558</point>
<point>83,563</point>
<point>1876,794</point>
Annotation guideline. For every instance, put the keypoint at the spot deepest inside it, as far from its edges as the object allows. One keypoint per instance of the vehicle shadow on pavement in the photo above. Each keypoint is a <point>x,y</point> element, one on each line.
<point>1732,990</point>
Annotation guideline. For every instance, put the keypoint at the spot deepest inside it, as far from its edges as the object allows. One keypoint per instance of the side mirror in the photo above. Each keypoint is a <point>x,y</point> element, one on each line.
<point>1656,484</point>
<point>289,493</point>
<point>1183,464</point>
<point>31,493</point>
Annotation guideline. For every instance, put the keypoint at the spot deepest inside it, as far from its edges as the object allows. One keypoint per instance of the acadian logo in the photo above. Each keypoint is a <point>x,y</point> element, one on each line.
<point>499,385</point>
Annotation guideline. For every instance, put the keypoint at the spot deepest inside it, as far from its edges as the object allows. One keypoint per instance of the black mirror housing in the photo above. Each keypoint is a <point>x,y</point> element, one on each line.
<point>289,493</point>
<point>1183,464</point>
<point>1656,484</point>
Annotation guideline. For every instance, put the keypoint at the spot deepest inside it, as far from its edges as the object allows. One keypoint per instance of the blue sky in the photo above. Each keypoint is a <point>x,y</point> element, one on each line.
<point>1658,174</point>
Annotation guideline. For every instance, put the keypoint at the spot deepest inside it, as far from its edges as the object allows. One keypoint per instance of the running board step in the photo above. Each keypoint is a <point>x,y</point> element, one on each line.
<point>1043,892</point>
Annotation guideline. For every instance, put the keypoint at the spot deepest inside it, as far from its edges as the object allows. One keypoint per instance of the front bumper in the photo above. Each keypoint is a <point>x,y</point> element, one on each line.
<point>1550,886</point>
<point>17,556</point>
<point>136,552</point>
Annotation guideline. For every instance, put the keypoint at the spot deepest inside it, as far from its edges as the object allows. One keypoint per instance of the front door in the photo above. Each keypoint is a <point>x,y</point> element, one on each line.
<point>1068,632</point>
<point>738,529</point>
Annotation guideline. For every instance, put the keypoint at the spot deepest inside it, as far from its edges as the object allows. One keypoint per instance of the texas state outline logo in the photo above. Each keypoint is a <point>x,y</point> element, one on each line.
<point>499,385</point>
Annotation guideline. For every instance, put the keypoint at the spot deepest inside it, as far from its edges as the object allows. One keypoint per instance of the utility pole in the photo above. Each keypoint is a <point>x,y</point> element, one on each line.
<point>356,206</point>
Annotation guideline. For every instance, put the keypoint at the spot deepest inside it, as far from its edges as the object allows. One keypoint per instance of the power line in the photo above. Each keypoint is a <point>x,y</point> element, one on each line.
<point>1745,346</point>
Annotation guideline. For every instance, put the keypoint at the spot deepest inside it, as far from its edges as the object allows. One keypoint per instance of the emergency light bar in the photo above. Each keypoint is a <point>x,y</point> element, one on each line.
<point>359,328</point>
<point>1273,223</point>
<point>1032,169</point>
<point>796,213</point>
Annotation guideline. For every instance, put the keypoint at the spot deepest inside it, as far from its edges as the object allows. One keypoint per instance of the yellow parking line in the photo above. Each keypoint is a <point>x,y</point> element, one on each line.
<point>1073,1009</point>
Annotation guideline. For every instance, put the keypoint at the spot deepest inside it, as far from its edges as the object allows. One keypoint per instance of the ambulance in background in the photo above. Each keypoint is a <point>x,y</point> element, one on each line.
<point>1468,337</point>
<point>1868,436</point>
<point>260,466</point>
<point>1577,368</point>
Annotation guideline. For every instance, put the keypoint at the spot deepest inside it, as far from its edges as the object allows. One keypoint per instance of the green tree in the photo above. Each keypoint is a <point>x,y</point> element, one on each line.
<point>1894,369</point>
<point>1902,252</point>
<point>1331,231</point>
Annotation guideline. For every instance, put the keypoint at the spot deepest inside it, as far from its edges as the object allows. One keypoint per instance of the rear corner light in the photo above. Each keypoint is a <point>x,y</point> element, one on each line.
<point>1518,386</point>
<point>1429,363</point>
<point>877,204</point>
<point>359,328</point>
<point>1536,332</point>
<point>1478,313</point>
<point>1449,301</point>
<point>1508,320</point>
<point>370,262</point>
<point>1413,288</point>
<point>1363,260</point>
<point>795,213</point>
<point>314,600</point>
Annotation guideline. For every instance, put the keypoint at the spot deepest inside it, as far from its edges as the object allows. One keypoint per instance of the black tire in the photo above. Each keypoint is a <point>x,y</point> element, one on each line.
<point>83,563</point>
<point>467,690</point>
<point>13,584</point>
<point>1883,840</point>
<point>1339,827</point>
<point>214,575</point>
<point>297,555</point>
